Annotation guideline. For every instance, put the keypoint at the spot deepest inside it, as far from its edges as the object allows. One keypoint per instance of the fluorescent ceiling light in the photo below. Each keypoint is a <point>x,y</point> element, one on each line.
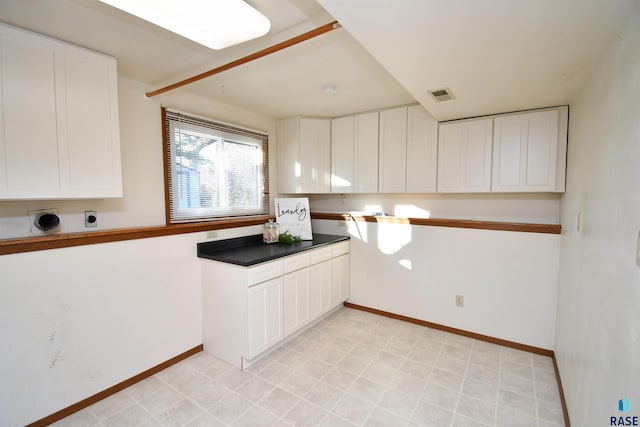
<point>213,23</point>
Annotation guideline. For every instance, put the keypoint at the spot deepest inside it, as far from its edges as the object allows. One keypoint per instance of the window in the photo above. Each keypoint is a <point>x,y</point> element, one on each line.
<point>214,170</point>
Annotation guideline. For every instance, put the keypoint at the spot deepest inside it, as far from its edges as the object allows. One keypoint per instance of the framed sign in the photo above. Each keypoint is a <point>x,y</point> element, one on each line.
<point>293,215</point>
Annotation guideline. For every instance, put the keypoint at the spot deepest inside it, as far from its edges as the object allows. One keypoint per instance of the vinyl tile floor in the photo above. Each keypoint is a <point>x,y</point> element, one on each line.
<point>352,368</point>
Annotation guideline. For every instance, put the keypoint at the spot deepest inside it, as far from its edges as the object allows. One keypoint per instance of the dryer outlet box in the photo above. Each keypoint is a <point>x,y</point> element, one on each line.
<point>90,219</point>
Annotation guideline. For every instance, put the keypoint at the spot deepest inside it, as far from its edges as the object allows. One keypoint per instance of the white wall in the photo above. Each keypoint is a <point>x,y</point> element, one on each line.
<point>508,279</point>
<point>598,321</point>
<point>142,164</point>
<point>78,320</point>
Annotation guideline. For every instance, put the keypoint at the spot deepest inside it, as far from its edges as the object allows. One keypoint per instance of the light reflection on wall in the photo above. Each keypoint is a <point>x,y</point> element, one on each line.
<point>410,211</point>
<point>406,263</point>
<point>393,236</point>
<point>358,230</point>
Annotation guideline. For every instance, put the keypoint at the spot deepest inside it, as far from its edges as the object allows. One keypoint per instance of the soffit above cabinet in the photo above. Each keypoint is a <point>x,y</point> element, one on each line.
<point>495,56</point>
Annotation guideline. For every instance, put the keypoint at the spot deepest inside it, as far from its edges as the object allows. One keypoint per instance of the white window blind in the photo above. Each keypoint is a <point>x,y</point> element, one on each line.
<point>214,170</point>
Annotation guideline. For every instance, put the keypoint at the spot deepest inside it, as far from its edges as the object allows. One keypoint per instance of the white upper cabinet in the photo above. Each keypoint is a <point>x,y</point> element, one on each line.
<point>315,155</point>
<point>304,155</point>
<point>393,151</point>
<point>289,176</point>
<point>354,154</point>
<point>342,155</point>
<point>464,156</point>
<point>59,132</point>
<point>422,151</point>
<point>529,151</point>
<point>365,162</point>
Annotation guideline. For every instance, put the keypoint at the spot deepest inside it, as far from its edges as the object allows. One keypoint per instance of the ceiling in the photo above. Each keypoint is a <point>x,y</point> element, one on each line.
<point>495,55</point>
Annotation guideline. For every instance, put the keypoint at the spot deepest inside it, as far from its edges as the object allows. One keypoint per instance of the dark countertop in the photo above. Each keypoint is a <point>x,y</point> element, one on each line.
<point>250,250</point>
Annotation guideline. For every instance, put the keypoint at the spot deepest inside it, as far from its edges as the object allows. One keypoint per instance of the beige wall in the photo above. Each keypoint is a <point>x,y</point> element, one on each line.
<point>598,320</point>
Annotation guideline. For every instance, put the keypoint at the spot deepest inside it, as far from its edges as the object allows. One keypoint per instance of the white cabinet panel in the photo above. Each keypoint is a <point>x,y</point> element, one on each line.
<point>366,153</point>
<point>264,271</point>
<point>304,155</point>
<point>59,133</point>
<point>342,151</point>
<point>296,301</point>
<point>295,262</point>
<point>526,151</point>
<point>392,151</point>
<point>422,151</point>
<point>28,74</point>
<point>464,156</point>
<point>339,280</point>
<point>319,289</point>
<point>289,176</point>
<point>318,255</point>
<point>265,316</point>
<point>315,155</point>
<point>94,162</point>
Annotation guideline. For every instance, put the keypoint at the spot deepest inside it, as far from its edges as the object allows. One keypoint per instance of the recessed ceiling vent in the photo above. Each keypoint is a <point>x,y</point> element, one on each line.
<point>440,95</point>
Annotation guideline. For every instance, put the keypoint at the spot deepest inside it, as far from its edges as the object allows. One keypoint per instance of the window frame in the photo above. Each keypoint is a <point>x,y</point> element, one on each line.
<point>223,128</point>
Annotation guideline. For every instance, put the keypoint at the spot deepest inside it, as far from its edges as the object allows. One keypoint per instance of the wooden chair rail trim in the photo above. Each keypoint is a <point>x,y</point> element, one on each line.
<point>114,389</point>
<point>56,241</point>
<point>455,223</point>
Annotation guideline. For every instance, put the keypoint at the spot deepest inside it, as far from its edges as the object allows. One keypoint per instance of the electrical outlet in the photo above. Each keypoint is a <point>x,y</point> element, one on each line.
<point>90,219</point>
<point>638,250</point>
<point>459,301</point>
<point>579,222</point>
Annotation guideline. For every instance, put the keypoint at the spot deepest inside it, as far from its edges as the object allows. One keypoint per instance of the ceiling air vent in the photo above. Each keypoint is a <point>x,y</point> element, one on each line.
<point>441,94</point>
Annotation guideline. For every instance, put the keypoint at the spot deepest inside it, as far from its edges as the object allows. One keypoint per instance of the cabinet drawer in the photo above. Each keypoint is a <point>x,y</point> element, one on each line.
<point>340,249</point>
<point>295,262</point>
<point>320,255</point>
<point>263,272</point>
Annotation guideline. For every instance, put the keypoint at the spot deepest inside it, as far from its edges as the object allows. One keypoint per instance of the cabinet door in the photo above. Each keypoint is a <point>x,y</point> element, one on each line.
<point>296,300</point>
<point>289,179</point>
<point>315,155</point>
<point>365,162</point>
<point>464,156</point>
<point>393,151</point>
<point>28,128</point>
<point>525,148</point>
<point>339,280</point>
<point>342,155</point>
<point>319,289</point>
<point>91,116</point>
<point>422,151</point>
<point>59,133</point>
<point>265,316</point>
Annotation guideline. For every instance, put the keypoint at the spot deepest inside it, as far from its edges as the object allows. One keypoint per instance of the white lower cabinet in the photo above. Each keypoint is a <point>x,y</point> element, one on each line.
<point>340,279</point>
<point>264,316</point>
<point>249,310</point>
<point>296,299</point>
<point>320,289</point>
